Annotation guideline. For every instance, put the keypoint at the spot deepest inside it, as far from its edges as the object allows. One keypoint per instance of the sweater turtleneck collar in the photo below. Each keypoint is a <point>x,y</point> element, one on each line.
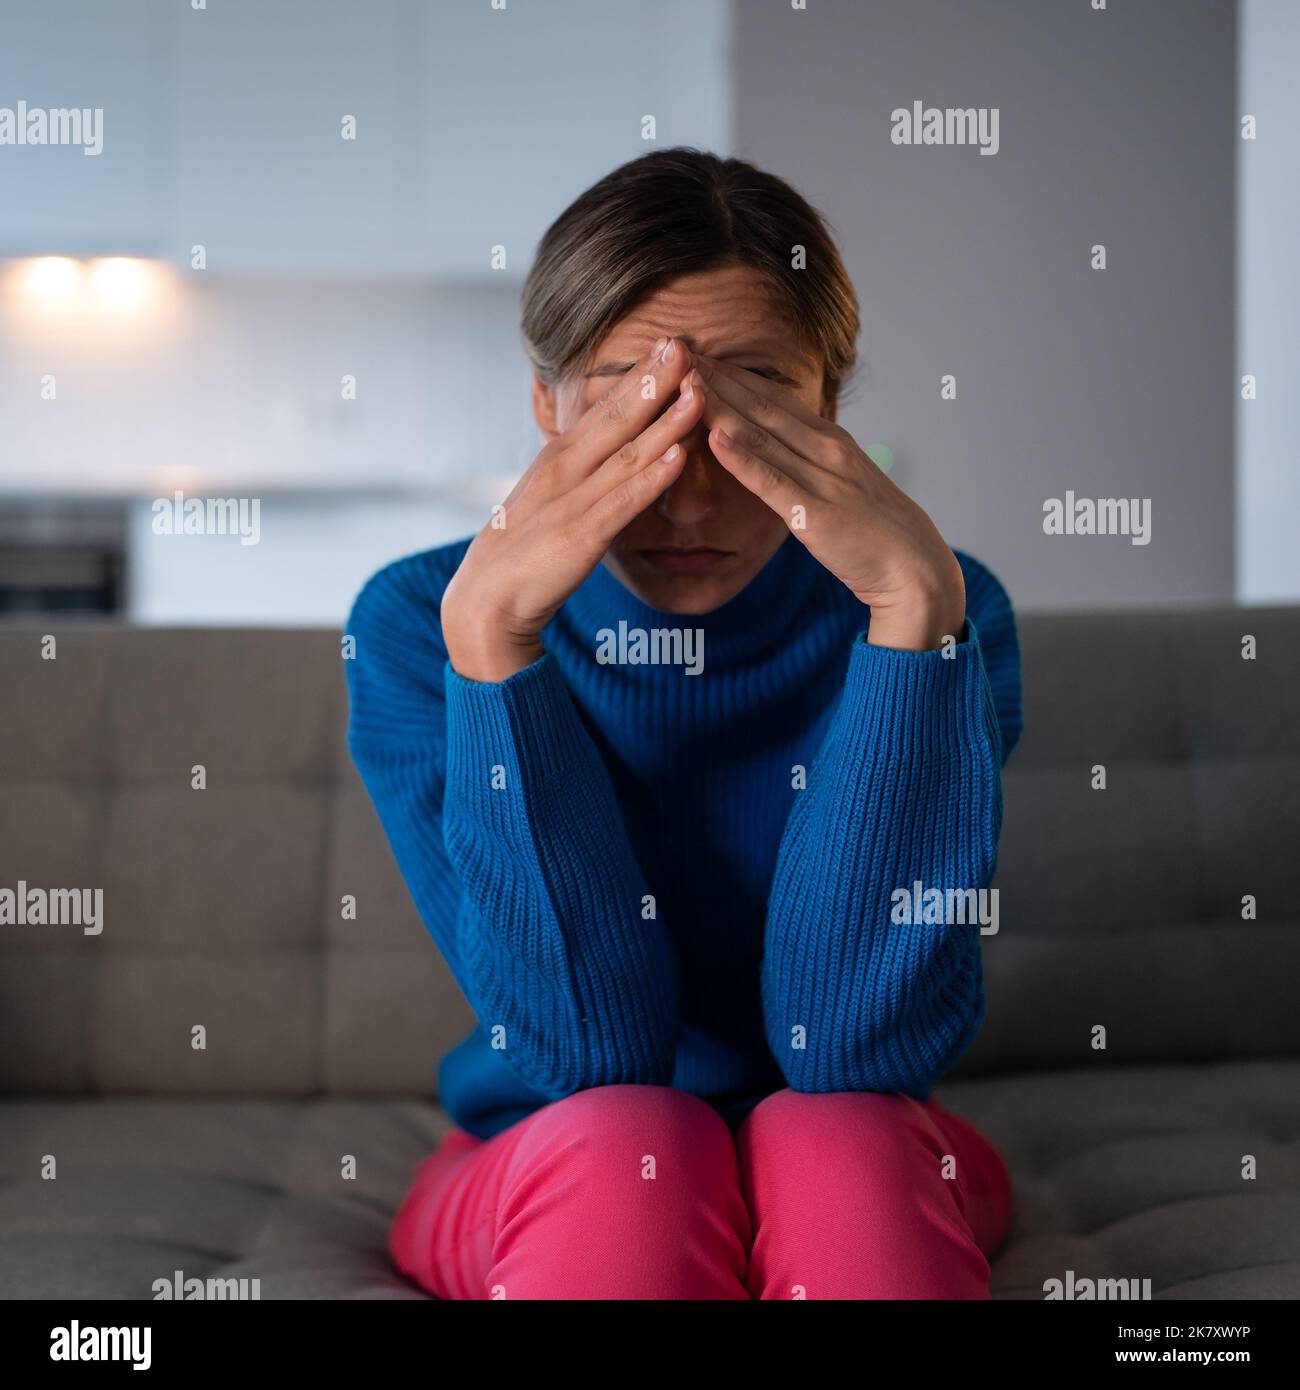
<point>758,621</point>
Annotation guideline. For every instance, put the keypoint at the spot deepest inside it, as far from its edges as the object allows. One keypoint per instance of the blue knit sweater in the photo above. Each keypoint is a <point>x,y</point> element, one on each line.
<point>638,875</point>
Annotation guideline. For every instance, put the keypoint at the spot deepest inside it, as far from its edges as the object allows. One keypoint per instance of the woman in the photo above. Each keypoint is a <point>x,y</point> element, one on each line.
<point>659,752</point>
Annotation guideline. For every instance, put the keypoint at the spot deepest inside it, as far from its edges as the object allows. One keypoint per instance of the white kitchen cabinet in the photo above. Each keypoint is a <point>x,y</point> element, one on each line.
<point>223,127</point>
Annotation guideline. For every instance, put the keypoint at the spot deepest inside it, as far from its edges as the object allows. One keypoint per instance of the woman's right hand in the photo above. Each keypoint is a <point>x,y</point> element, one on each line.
<point>583,488</point>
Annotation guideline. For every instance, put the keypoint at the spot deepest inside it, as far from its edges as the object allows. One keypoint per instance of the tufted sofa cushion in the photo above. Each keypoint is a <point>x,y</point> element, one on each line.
<point>1123,907</point>
<point>223,907</point>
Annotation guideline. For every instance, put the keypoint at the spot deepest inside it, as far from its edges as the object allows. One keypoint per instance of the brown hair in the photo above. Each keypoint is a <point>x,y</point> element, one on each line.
<point>672,213</point>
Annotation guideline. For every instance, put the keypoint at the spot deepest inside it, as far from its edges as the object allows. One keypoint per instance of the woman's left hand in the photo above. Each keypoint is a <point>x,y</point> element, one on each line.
<point>857,523</point>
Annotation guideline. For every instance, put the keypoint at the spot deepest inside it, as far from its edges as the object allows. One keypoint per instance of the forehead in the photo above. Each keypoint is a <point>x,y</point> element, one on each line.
<point>718,312</point>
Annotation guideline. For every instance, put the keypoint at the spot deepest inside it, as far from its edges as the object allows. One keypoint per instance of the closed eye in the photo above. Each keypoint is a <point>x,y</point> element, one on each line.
<point>771,374</point>
<point>622,368</point>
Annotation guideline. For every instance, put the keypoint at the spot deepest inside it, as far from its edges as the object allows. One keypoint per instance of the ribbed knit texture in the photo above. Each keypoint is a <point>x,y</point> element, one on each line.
<point>618,867</point>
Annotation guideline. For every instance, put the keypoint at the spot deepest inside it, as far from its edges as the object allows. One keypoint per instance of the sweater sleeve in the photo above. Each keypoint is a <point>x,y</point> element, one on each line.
<point>906,789</point>
<point>503,821</point>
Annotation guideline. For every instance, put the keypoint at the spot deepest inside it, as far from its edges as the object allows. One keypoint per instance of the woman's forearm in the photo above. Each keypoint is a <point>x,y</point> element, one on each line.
<point>906,789</point>
<point>503,822</point>
<point>558,939</point>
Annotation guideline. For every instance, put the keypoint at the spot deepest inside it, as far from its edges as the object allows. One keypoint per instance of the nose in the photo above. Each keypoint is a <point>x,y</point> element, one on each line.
<point>693,496</point>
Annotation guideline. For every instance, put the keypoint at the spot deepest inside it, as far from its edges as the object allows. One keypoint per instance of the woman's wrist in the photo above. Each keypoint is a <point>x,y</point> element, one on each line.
<point>922,617</point>
<point>910,631</point>
<point>484,650</point>
<point>491,657</point>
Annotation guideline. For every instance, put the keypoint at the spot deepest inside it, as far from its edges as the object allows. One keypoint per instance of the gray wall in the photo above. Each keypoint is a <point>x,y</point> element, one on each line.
<point>1268,301</point>
<point>1118,127</point>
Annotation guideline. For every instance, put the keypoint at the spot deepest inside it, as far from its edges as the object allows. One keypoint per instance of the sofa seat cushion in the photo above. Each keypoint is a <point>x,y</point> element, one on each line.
<point>1120,1173</point>
<point>213,1188</point>
<point>1137,1173</point>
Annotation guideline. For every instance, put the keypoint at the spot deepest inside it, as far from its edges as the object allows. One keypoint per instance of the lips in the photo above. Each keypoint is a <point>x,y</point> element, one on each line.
<point>696,559</point>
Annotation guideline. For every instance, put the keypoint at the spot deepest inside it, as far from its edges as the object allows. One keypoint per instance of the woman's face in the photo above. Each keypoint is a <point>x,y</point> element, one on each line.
<point>707,536</point>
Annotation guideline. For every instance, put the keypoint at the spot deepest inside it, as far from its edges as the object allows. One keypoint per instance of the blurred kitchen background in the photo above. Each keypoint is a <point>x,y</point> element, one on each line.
<point>128,373</point>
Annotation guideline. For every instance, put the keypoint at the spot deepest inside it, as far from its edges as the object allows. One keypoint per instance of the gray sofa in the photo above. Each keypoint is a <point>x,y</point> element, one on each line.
<point>1120,909</point>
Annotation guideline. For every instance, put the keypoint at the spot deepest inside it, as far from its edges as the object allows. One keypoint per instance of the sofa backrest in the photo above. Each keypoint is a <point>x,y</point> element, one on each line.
<point>226,909</point>
<point>1122,909</point>
<point>223,907</point>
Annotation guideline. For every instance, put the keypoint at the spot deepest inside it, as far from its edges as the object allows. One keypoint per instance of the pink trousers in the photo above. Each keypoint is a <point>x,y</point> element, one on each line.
<point>642,1192</point>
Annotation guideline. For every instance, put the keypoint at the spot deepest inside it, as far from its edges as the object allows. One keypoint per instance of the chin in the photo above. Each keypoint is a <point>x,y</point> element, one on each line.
<point>687,593</point>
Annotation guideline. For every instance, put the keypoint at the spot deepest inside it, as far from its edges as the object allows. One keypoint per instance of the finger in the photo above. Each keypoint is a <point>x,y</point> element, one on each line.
<point>759,398</point>
<point>611,512</point>
<point>762,478</point>
<point>769,417</point>
<point>629,406</point>
<point>673,425</point>
<point>754,440</point>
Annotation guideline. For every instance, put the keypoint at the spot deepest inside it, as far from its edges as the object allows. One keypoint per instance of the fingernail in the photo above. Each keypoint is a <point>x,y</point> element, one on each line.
<point>658,350</point>
<point>670,453</point>
<point>668,351</point>
<point>687,398</point>
<point>724,438</point>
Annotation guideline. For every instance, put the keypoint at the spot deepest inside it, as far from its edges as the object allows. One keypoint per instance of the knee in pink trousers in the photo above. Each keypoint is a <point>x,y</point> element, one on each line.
<point>642,1192</point>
